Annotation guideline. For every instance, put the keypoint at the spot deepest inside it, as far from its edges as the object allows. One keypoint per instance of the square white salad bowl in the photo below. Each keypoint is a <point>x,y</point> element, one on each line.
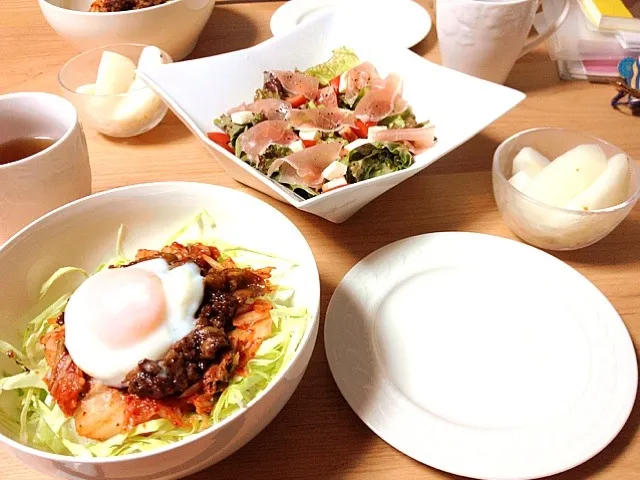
<point>459,106</point>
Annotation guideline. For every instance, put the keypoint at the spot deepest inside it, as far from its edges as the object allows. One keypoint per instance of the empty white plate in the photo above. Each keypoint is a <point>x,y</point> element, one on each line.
<point>402,23</point>
<point>480,356</point>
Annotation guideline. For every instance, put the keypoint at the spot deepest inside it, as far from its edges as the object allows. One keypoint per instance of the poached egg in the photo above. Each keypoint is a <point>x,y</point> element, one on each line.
<point>121,316</point>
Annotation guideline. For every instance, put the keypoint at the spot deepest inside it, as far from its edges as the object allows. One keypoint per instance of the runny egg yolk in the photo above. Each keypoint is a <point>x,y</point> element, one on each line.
<point>126,305</point>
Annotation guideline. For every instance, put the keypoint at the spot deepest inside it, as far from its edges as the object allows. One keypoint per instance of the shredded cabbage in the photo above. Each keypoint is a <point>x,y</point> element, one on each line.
<point>38,421</point>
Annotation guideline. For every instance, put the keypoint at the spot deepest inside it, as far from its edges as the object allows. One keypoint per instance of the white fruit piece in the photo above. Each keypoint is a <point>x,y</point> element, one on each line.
<point>137,108</point>
<point>89,89</point>
<point>334,171</point>
<point>138,84</point>
<point>568,175</point>
<point>241,118</point>
<point>101,109</point>
<point>377,128</point>
<point>149,57</point>
<point>115,74</point>
<point>141,103</point>
<point>296,146</point>
<point>609,189</point>
<point>530,161</point>
<point>520,180</point>
<point>338,182</point>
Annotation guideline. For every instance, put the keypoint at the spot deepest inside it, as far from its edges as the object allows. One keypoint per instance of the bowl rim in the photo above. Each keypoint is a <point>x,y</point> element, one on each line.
<point>635,169</point>
<point>304,342</point>
<point>139,11</point>
<point>105,48</point>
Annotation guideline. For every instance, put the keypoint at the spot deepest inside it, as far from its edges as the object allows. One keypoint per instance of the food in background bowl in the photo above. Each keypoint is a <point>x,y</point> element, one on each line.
<point>111,98</point>
<point>173,26</point>
<point>334,124</point>
<point>153,349</point>
<point>123,5</point>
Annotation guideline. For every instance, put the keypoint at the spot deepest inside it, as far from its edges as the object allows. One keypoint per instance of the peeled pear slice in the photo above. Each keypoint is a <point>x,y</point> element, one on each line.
<point>530,161</point>
<point>609,189</point>
<point>149,57</point>
<point>568,175</point>
<point>115,74</point>
<point>520,180</point>
<point>99,108</point>
<point>137,106</point>
<point>88,89</point>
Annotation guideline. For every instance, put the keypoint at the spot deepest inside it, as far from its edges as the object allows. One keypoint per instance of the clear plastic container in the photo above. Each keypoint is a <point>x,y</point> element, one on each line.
<point>574,40</point>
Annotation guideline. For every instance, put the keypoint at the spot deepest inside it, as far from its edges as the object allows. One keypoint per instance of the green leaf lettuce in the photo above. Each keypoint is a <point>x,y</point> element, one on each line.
<point>343,60</point>
<point>374,159</point>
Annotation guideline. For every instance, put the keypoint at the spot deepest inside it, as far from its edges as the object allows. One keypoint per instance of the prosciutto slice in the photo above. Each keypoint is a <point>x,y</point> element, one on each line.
<point>325,119</point>
<point>299,83</point>
<point>259,137</point>
<point>381,102</point>
<point>271,108</point>
<point>419,139</point>
<point>359,77</point>
<point>327,97</point>
<point>305,167</point>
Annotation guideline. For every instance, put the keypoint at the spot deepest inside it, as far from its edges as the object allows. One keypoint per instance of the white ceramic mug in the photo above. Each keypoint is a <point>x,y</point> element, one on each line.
<point>484,38</point>
<point>50,178</point>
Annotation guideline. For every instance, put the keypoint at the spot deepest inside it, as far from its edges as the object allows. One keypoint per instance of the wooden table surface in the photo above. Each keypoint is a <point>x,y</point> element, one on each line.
<point>317,435</point>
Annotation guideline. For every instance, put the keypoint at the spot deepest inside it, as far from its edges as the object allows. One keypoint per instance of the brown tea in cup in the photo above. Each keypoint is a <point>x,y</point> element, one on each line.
<point>23,147</point>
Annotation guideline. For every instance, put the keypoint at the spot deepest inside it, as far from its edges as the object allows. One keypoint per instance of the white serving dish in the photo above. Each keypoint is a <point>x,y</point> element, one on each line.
<point>200,90</point>
<point>405,23</point>
<point>83,233</point>
<point>173,26</point>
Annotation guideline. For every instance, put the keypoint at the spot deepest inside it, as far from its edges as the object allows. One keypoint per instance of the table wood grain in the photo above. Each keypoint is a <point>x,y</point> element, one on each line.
<point>317,436</point>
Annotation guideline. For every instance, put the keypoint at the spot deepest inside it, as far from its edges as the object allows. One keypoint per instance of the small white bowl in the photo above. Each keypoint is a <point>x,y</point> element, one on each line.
<point>544,226</point>
<point>83,234</point>
<point>458,105</point>
<point>173,26</point>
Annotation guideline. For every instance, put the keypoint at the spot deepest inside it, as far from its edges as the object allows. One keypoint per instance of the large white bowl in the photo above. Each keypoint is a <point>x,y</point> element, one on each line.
<point>200,90</point>
<point>82,233</point>
<point>174,26</point>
